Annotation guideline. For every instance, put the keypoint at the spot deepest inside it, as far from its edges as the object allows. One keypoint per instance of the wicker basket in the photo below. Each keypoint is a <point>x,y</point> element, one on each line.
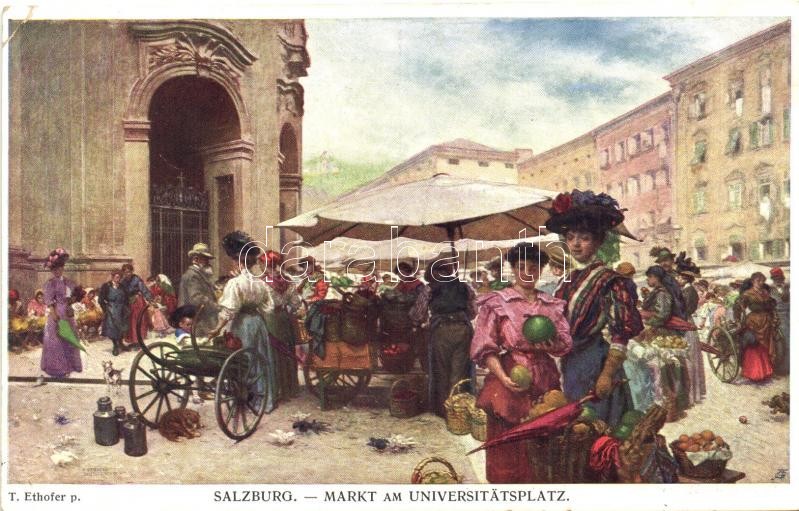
<point>708,469</point>
<point>479,423</point>
<point>562,458</point>
<point>403,400</point>
<point>434,476</point>
<point>300,331</point>
<point>457,410</point>
<point>398,363</point>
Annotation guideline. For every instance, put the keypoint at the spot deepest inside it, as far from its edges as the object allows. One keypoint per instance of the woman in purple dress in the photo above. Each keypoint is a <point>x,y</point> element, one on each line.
<point>59,358</point>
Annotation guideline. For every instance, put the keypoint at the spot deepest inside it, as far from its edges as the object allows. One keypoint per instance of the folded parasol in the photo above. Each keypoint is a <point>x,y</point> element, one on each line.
<point>66,332</point>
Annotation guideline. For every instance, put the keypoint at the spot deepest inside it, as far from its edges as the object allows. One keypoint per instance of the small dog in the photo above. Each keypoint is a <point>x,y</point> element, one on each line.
<point>177,424</point>
<point>113,377</point>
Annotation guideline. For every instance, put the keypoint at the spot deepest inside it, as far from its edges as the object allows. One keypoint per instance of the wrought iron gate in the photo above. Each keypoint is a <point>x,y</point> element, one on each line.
<point>179,219</point>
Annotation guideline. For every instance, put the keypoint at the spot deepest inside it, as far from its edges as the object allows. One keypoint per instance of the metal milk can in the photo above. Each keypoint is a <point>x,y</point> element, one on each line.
<point>135,435</point>
<point>121,416</point>
<point>105,423</point>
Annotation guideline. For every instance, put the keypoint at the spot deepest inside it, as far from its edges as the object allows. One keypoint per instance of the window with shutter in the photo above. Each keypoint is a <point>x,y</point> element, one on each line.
<point>786,124</point>
<point>733,142</point>
<point>766,132</point>
<point>700,150</point>
<point>699,200</point>
<point>754,135</point>
<point>765,90</point>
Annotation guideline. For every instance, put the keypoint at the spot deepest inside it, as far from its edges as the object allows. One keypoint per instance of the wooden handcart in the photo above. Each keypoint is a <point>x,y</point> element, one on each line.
<point>163,376</point>
<point>724,349</point>
<point>348,367</point>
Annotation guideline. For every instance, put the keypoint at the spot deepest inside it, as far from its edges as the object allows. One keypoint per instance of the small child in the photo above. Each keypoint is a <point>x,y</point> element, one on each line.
<point>181,321</point>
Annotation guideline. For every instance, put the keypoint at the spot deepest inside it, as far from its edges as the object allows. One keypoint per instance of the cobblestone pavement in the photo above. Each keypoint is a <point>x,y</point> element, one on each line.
<point>760,447</point>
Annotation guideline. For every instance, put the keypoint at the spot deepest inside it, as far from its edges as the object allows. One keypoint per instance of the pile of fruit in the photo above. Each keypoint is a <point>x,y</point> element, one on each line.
<point>672,342</point>
<point>546,403</point>
<point>705,441</point>
<point>18,325</point>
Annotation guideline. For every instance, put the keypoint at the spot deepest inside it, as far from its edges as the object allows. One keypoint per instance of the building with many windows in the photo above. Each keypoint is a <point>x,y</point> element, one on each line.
<point>635,167</point>
<point>562,168</point>
<point>732,132</point>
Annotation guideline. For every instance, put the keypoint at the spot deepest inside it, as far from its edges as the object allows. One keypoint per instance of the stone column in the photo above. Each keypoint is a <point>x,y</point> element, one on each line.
<point>137,194</point>
<point>229,159</point>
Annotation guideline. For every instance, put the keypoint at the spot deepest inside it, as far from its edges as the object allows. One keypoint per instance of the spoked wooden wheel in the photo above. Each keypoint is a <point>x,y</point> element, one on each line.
<point>725,364</point>
<point>341,385</point>
<point>164,390</point>
<point>241,392</point>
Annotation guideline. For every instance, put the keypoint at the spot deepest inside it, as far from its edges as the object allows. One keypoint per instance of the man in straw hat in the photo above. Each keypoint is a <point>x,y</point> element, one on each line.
<point>559,265</point>
<point>197,288</point>
<point>598,299</point>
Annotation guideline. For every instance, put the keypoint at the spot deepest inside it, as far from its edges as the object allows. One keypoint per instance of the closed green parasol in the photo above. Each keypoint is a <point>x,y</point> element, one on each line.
<point>66,332</point>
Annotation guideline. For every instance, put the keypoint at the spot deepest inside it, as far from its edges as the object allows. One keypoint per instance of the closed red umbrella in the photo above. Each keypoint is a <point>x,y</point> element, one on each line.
<point>547,424</point>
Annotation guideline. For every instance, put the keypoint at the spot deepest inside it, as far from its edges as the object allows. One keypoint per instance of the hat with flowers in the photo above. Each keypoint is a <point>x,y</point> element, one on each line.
<point>585,211</point>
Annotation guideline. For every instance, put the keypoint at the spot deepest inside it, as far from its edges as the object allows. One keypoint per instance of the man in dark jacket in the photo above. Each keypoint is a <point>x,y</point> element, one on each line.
<point>197,289</point>
<point>449,304</point>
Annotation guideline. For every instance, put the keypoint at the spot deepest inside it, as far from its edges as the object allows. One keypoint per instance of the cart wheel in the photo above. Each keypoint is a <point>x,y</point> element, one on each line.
<point>163,390</point>
<point>241,391</point>
<point>725,365</point>
<point>341,385</point>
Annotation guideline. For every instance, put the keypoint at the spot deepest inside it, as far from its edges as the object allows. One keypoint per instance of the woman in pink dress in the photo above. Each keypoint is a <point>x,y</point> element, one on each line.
<point>499,345</point>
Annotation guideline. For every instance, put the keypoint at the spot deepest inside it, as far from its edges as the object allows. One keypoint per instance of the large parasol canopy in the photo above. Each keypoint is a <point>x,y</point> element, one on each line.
<point>440,208</point>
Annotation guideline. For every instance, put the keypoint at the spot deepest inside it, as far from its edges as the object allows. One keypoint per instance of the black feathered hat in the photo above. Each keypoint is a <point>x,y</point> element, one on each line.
<point>234,243</point>
<point>584,211</point>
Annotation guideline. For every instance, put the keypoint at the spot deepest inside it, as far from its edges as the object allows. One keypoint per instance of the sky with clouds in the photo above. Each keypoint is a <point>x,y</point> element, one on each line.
<point>384,89</point>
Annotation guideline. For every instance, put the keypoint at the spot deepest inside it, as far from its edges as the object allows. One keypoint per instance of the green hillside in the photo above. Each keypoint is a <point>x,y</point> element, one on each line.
<point>350,175</point>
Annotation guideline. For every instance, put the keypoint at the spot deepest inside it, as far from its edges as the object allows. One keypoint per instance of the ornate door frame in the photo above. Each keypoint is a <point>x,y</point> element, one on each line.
<point>169,50</point>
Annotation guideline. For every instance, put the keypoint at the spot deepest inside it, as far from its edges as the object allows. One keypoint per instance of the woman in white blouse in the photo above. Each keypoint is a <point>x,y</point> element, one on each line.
<point>245,304</point>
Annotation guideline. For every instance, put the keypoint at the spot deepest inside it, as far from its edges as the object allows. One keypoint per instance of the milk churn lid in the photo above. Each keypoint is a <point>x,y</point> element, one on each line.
<point>104,404</point>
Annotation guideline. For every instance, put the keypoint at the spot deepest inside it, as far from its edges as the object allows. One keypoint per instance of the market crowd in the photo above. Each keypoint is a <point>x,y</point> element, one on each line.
<point>628,347</point>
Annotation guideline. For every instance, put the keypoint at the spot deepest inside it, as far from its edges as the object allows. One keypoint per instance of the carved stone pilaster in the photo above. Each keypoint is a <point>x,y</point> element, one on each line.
<point>295,57</point>
<point>291,98</point>
<point>290,182</point>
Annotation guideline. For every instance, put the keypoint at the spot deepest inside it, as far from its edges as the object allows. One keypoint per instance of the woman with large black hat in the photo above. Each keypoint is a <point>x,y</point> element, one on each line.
<point>687,272</point>
<point>597,298</point>
<point>245,305</point>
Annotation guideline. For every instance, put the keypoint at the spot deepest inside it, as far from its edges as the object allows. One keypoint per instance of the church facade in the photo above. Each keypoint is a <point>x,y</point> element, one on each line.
<point>130,141</point>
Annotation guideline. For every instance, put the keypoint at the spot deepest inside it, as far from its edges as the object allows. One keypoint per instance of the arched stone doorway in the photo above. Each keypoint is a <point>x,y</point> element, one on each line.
<point>290,180</point>
<point>188,115</point>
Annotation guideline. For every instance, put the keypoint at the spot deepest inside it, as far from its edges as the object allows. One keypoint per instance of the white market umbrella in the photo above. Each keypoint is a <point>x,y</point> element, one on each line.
<point>440,208</point>
<point>742,270</point>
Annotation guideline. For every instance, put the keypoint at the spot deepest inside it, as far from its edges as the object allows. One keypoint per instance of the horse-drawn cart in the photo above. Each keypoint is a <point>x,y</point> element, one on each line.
<point>163,376</point>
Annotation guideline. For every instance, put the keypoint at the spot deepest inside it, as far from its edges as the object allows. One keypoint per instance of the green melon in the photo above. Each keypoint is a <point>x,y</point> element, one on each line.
<point>632,417</point>
<point>588,414</point>
<point>521,376</point>
<point>622,432</point>
<point>538,328</point>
